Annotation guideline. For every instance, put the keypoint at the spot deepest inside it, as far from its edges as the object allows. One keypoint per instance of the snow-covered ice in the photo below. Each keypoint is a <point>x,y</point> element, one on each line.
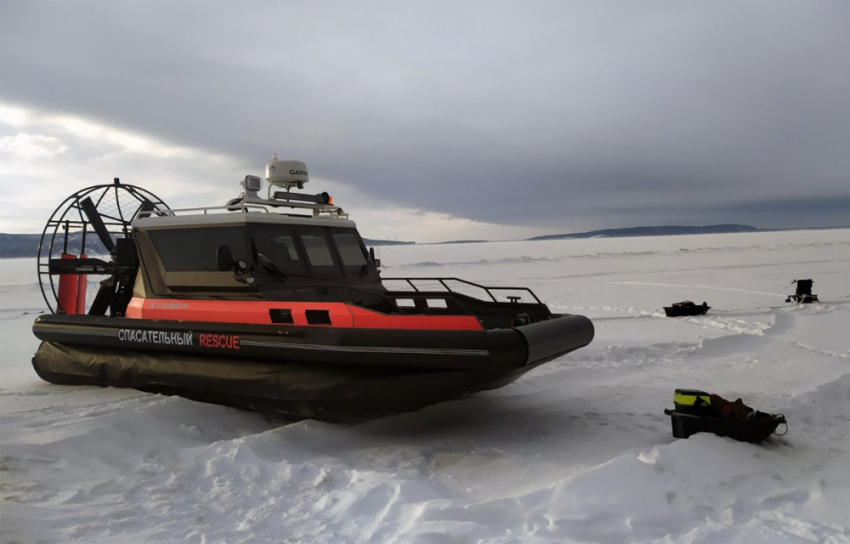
<point>579,450</point>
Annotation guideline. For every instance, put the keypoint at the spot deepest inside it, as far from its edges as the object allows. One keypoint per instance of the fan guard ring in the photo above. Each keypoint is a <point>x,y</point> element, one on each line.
<point>71,232</point>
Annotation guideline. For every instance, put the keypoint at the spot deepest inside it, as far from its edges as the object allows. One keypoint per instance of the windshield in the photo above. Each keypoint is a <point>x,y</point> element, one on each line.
<point>298,252</point>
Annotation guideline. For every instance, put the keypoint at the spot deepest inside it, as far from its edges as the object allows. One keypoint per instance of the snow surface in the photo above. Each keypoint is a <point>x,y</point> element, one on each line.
<point>579,450</point>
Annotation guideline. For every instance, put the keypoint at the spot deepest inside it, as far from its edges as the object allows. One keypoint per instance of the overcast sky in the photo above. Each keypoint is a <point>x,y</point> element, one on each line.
<point>436,120</point>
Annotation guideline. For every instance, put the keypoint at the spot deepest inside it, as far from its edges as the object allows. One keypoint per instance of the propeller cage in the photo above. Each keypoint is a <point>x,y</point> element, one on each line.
<point>87,258</point>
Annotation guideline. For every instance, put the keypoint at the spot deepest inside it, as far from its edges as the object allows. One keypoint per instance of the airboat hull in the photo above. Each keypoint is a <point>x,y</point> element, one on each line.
<point>270,303</point>
<point>313,372</point>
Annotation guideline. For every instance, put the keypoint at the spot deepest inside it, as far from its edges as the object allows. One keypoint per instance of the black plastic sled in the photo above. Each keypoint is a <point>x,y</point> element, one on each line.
<point>700,412</point>
<point>753,429</point>
<point>686,308</point>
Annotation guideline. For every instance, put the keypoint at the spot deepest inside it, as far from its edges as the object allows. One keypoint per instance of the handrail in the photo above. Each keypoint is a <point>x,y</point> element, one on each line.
<point>246,204</point>
<point>204,209</point>
<point>443,281</point>
<point>388,296</point>
<point>387,293</point>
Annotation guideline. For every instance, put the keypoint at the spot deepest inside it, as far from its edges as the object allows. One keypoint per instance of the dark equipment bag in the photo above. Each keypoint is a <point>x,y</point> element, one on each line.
<point>697,412</point>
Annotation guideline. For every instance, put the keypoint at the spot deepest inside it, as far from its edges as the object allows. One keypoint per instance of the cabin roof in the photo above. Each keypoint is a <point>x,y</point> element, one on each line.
<point>238,218</point>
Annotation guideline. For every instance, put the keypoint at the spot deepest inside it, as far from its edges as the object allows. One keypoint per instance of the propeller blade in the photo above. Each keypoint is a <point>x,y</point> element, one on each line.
<point>97,223</point>
<point>147,208</point>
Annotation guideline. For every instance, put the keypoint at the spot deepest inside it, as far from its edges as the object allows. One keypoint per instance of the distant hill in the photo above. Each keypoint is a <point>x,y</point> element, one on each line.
<point>370,242</point>
<point>462,242</point>
<point>14,246</point>
<point>18,245</point>
<point>26,245</point>
<point>650,231</point>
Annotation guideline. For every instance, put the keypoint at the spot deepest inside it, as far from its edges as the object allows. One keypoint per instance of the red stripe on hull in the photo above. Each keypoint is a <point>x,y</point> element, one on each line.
<point>257,312</point>
<point>369,319</point>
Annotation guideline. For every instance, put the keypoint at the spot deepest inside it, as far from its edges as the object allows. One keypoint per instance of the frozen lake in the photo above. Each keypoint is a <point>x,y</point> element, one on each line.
<point>579,450</point>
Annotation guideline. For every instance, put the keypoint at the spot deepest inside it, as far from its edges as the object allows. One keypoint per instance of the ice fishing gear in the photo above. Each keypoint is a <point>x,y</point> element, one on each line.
<point>692,401</point>
<point>804,292</point>
<point>686,307</point>
<point>700,412</point>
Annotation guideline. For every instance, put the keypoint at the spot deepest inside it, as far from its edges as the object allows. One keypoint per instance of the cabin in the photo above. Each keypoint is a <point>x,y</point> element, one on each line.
<point>285,247</point>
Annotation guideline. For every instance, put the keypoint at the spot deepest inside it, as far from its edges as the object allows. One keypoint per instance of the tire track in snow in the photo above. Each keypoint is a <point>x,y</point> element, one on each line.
<point>710,287</point>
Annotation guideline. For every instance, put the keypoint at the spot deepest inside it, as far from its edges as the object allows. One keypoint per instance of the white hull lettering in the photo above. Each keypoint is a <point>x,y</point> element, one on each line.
<point>169,338</point>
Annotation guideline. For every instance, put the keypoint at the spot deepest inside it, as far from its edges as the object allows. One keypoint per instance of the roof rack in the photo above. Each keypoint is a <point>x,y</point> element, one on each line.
<point>286,174</point>
<point>250,205</point>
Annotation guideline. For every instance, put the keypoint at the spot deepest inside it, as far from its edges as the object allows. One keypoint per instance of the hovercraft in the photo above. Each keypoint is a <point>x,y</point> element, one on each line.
<point>259,305</point>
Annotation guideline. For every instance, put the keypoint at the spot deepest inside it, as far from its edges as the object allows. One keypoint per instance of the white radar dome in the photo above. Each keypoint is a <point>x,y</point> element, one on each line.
<point>286,174</point>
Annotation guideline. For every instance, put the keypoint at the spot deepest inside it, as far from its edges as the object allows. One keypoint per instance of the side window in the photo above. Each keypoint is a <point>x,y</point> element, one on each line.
<point>318,252</point>
<point>194,249</point>
<point>277,242</point>
<point>350,250</point>
<point>285,245</point>
<point>319,255</point>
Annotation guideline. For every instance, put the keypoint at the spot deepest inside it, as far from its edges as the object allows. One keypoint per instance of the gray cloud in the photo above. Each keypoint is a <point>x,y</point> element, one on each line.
<point>545,113</point>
